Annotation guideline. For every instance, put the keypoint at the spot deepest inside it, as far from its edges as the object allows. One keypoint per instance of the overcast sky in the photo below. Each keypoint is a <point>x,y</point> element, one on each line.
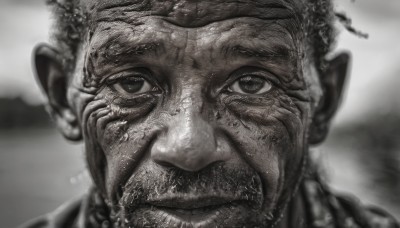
<point>374,85</point>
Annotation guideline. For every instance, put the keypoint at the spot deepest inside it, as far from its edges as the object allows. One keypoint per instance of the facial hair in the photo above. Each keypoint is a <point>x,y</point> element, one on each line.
<point>132,209</point>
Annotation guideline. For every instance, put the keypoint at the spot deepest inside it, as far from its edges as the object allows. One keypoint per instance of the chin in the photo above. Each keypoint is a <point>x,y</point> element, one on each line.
<point>226,215</point>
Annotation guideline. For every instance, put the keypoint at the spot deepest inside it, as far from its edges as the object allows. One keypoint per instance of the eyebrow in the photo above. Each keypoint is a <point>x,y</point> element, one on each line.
<point>276,51</point>
<point>117,49</point>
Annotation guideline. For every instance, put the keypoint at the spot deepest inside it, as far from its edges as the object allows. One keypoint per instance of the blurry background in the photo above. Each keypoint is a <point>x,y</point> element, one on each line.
<point>39,170</point>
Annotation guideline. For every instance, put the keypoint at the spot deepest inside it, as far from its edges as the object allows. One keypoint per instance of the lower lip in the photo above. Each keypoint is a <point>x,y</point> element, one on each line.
<point>201,217</point>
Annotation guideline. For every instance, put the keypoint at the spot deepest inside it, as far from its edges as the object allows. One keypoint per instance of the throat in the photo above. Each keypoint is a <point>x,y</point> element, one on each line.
<point>295,215</point>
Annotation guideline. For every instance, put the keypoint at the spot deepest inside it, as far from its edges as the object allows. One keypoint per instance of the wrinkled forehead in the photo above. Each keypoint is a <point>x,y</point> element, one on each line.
<point>192,13</point>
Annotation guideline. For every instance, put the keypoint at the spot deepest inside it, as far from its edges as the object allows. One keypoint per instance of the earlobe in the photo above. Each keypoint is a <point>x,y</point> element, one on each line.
<point>333,81</point>
<point>53,80</point>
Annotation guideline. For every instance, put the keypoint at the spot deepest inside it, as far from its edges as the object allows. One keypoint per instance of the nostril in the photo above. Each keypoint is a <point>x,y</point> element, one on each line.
<point>188,167</point>
<point>215,163</point>
<point>165,164</point>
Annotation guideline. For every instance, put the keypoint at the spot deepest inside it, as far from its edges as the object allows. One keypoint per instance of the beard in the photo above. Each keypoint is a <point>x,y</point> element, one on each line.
<point>219,196</point>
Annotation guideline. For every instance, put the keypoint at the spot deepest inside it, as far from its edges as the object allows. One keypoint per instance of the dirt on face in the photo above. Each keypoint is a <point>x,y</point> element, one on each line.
<point>194,113</point>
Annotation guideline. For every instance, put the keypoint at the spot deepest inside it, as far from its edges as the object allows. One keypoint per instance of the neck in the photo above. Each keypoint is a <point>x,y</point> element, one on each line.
<point>295,215</point>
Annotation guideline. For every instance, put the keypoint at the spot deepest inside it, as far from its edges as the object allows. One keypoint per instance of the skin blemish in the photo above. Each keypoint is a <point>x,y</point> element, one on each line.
<point>190,150</point>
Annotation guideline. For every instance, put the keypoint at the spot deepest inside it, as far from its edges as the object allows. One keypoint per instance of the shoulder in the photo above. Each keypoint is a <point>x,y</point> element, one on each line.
<point>380,219</point>
<point>328,209</point>
<point>66,216</point>
<point>370,217</point>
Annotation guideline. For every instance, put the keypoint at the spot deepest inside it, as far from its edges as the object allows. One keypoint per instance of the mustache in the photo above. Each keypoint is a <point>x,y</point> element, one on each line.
<point>147,185</point>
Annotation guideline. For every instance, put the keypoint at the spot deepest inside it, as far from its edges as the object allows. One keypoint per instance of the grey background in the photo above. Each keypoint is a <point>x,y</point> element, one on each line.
<point>39,170</point>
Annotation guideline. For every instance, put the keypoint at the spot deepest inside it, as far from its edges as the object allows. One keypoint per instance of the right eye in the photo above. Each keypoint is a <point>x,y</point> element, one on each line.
<point>133,86</point>
<point>133,82</point>
<point>251,84</point>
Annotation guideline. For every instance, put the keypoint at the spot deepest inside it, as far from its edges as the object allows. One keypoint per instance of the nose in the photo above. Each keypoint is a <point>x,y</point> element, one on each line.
<point>189,143</point>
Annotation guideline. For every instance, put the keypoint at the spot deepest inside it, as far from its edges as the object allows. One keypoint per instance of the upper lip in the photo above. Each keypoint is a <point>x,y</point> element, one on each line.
<point>191,202</point>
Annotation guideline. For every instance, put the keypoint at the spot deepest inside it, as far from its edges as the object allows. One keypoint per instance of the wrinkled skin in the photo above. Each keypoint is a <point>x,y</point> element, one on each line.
<point>193,114</point>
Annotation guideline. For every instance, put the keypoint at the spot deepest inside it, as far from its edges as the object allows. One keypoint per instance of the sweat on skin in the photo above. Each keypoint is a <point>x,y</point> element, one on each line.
<point>194,113</point>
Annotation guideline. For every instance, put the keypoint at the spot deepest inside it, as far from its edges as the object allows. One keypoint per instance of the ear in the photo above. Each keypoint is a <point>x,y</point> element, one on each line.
<point>53,80</point>
<point>333,82</point>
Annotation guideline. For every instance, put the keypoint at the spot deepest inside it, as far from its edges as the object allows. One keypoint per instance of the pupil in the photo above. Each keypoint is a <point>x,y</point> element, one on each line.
<point>251,84</point>
<point>132,85</point>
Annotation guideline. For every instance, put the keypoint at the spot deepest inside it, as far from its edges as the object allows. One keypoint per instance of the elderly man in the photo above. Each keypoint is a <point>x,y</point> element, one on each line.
<point>198,113</point>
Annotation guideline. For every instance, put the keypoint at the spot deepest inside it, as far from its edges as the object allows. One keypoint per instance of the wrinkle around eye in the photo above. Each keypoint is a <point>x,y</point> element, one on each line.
<point>133,101</point>
<point>131,82</point>
<point>134,86</point>
<point>251,101</point>
<point>138,102</point>
<point>241,88</point>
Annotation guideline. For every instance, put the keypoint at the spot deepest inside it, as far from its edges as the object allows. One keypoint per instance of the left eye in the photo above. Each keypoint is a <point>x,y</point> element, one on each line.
<point>133,85</point>
<point>251,85</point>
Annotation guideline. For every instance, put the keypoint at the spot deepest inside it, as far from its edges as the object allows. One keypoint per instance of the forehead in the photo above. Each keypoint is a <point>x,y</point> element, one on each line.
<point>254,30</point>
<point>192,13</point>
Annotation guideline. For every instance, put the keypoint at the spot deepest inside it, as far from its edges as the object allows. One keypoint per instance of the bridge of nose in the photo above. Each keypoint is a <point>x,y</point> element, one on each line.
<point>189,139</point>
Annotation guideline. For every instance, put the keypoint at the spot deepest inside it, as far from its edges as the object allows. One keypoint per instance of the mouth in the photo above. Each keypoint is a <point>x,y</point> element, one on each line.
<point>194,211</point>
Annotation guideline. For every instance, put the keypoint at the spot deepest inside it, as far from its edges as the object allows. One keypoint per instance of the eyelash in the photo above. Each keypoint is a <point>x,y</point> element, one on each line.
<point>236,77</point>
<point>123,75</point>
<point>115,78</point>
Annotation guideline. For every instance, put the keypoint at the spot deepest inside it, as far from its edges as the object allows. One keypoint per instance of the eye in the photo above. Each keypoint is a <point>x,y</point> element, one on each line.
<point>250,84</point>
<point>133,85</point>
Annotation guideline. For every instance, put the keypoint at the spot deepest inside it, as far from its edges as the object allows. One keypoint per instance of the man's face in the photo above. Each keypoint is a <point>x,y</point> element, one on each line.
<point>194,114</point>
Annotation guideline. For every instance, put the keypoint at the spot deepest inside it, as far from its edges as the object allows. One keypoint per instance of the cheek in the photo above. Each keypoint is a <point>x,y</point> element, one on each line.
<point>269,133</point>
<point>127,147</point>
<point>114,144</point>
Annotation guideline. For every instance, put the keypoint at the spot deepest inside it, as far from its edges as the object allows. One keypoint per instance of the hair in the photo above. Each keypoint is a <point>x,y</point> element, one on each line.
<point>70,29</point>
